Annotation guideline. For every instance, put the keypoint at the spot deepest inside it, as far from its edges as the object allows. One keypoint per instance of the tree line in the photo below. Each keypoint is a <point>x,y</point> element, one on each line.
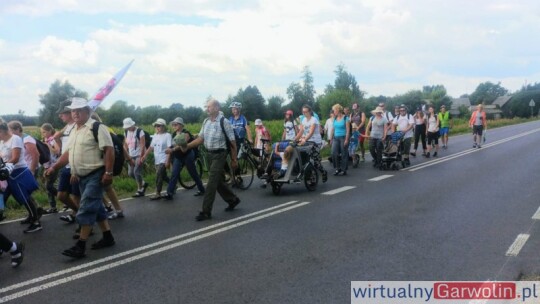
<point>345,90</point>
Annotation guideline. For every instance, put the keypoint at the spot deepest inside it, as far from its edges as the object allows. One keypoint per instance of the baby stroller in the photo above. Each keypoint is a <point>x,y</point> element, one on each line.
<point>392,155</point>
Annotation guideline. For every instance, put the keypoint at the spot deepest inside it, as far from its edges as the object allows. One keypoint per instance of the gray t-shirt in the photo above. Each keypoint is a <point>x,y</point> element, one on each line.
<point>377,127</point>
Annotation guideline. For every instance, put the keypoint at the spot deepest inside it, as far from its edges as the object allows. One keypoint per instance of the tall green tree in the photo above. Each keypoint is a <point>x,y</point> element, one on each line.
<point>253,103</point>
<point>58,92</point>
<point>519,104</point>
<point>308,89</point>
<point>487,92</point>
<point>274,109</point>
<point>411,100</point>
<point>303,93</point>
<point>436,95</point>
<point>193,115</point>
<point>296,96</point>
<point>327,100</point>
<point>346,81</point>
<point>117,112</point>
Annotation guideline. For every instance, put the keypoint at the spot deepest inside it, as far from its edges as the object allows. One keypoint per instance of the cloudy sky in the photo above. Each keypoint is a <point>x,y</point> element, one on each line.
<point>186,50</point>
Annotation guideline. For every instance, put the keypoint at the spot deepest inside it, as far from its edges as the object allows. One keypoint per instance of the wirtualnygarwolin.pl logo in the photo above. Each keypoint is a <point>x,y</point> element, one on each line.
<point>447,292</point>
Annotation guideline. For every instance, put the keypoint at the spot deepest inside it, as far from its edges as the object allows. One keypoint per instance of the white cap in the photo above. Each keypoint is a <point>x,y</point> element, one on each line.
<point>128,123</point>
<point>258,122</point>
<point>160,121</point>
<point>78,103</point>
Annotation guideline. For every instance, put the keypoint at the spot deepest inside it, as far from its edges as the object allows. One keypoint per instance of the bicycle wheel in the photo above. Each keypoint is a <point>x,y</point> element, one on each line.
<point>244,174</point>
<point>185,179</point>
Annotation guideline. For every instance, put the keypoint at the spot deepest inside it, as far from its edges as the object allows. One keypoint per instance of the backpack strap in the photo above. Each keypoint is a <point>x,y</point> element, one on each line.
<point>95,128</point>
<point>221,122</point>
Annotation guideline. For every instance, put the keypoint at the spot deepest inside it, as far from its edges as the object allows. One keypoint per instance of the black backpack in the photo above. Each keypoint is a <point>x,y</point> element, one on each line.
<point>147,137</point>
<point>118,145</point>
<point>43,150</point>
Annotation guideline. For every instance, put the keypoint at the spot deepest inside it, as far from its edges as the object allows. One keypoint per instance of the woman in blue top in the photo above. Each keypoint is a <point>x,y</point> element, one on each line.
<point>340,140</point>
<point>240,124</point>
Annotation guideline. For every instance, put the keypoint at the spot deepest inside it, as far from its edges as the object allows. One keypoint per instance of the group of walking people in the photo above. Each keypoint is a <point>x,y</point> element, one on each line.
<point>82,156</point>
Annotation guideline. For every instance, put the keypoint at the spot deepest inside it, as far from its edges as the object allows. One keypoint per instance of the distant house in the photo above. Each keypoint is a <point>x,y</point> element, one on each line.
<point>502,101</point>
<point>458,102</point>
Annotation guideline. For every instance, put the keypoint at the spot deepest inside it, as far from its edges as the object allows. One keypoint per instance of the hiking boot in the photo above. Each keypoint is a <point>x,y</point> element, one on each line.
<point>324,176</point>
<point>203,216</point>
<point>75,252</point>
<point>51,210</point>
<point>138,194</point>
<point>18,255</point>
<point>233,205</point>
<point>413,154</point>
<point>474,145</point>
<point>116,215</point>
<point>68,218</point>
<point>434,154</point>
<point>427,154</point>
<point>145,185</point>
<point>103,243</point>
<point>34,227</point>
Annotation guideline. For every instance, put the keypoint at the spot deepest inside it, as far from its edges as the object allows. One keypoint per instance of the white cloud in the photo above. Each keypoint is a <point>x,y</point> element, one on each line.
<point>67,53</point>
<point>390,46</point>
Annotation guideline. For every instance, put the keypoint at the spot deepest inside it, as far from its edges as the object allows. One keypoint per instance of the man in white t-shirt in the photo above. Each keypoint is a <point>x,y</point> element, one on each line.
<point>404,122</point>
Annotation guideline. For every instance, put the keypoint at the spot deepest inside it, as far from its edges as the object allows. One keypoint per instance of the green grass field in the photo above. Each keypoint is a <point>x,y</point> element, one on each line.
<point>126,186</point>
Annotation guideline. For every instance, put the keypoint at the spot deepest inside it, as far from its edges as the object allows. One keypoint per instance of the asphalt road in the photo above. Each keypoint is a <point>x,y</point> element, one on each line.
<point>450,218</point>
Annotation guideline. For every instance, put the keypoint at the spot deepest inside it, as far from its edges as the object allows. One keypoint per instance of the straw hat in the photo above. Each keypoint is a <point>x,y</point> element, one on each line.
<point>377,110</point>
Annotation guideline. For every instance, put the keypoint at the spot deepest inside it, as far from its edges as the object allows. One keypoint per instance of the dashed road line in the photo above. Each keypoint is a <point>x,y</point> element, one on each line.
<point>379,178</point>
<point>536,215</point>
<point>338,190</point>
<point>515,248</point>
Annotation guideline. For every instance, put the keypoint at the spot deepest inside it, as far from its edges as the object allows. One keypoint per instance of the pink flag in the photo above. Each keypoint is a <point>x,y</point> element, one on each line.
<point>108,87</point>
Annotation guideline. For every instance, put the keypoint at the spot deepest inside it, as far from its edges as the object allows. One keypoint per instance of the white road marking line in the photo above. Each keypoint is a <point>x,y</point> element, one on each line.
<point>143,255</point>
<point>536,215</point>
<point>135,250</point>
<point>515,248</point>
<point>379,178</point>
<point>469,151</point>
<point>338,190</point>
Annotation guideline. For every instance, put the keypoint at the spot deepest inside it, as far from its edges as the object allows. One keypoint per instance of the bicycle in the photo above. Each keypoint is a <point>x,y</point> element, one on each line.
<point>242,178</point>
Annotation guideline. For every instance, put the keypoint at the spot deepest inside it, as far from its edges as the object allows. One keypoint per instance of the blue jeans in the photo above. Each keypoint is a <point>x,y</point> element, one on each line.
<point>91,209</point>
<point>178,164</point>
<point>339,148</point>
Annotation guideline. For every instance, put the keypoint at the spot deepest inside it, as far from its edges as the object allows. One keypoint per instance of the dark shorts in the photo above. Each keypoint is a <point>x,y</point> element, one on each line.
<point>64,183</point>
<point>432,138</point>
<point>477,130</point>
